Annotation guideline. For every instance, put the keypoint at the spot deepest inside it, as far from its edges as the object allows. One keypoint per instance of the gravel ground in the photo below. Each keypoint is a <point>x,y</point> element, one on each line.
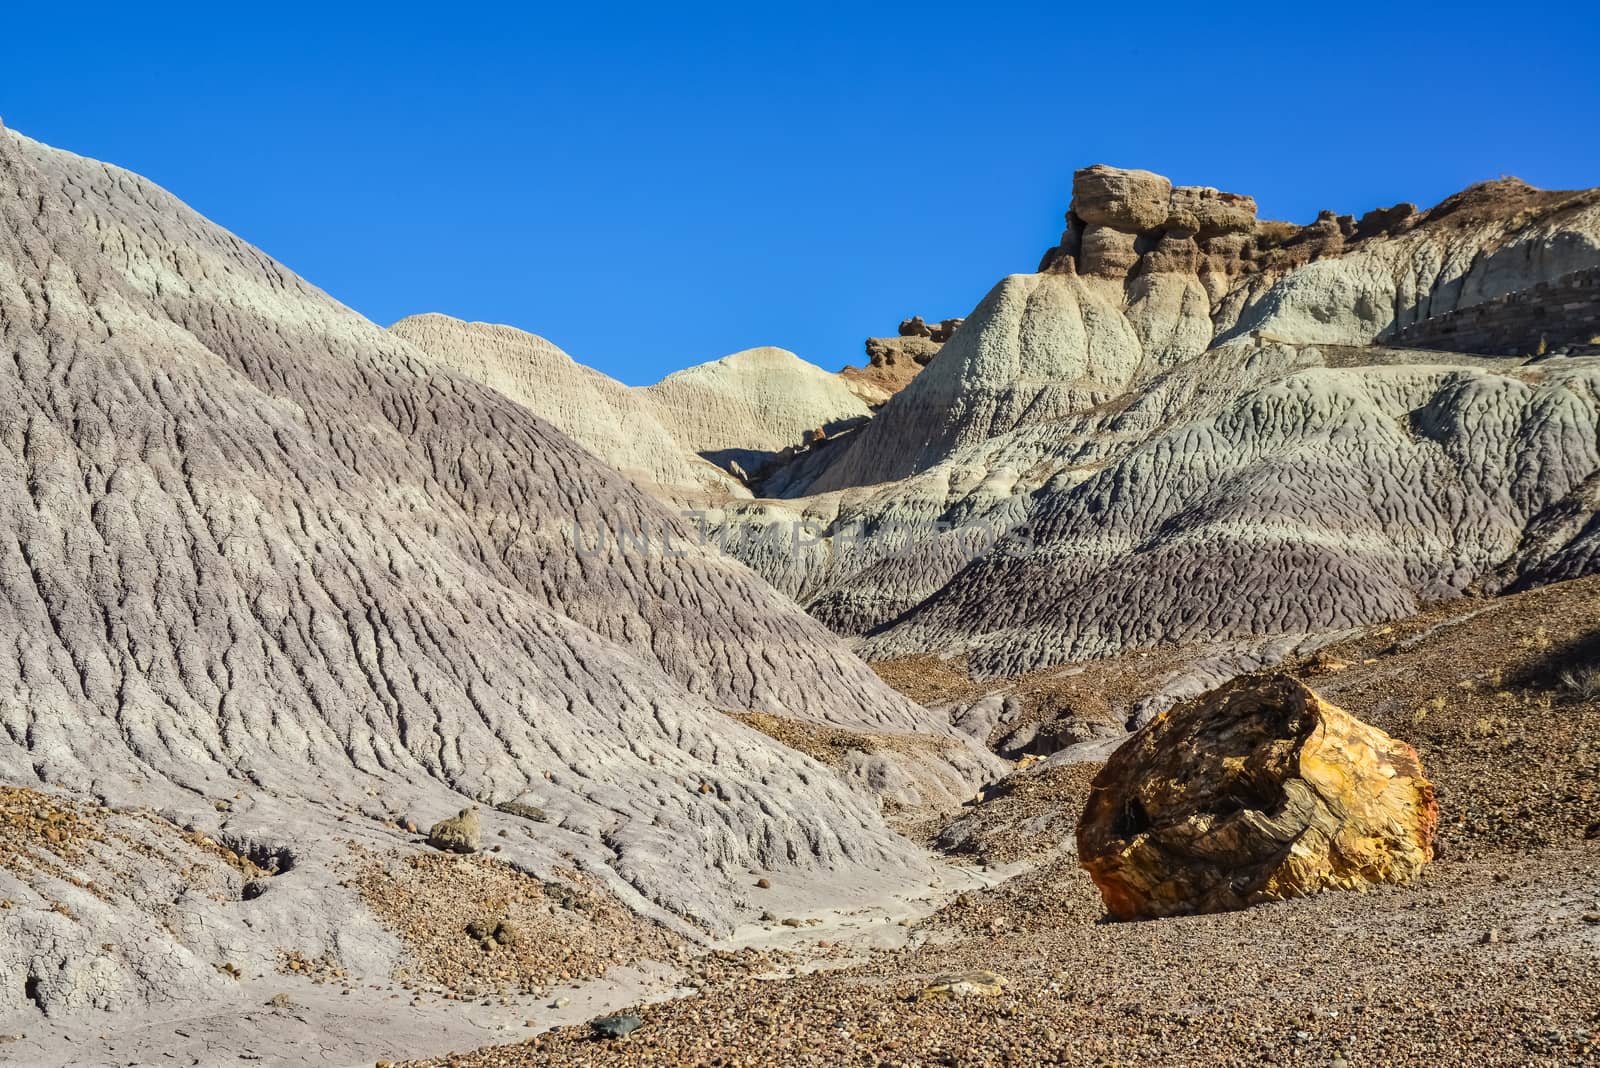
<point>831,746</point>
<point>1493,958</point>
<point>474,926</point>
<point>1026,815</point>
<point>1477,687</point>
<point>1498,961</point>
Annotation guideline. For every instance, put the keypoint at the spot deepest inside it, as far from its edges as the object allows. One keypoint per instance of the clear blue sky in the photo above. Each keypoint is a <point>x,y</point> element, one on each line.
<point>653,185</point>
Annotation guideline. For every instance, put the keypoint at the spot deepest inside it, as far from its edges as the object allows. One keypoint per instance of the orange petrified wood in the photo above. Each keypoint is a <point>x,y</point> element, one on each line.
<point>1256,792</point>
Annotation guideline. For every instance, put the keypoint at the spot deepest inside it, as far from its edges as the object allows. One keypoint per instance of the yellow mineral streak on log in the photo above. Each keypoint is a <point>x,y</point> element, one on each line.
<point>1257,792</point>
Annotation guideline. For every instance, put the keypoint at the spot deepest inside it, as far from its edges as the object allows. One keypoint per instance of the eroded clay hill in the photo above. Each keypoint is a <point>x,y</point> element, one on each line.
<point>1189,425</point>
<point>697,436</point>
<point>270,573</point>
<point>749,407</point>
<point>618,424</point>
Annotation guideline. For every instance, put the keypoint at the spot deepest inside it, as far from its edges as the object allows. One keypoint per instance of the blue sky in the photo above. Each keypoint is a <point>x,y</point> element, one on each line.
<point>656,185</point>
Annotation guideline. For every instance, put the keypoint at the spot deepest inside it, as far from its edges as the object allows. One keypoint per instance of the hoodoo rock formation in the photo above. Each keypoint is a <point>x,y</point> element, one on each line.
<point>892,362</point>
<point>1187,399</point>
<point>938,332</point>
<point>1258,792</point>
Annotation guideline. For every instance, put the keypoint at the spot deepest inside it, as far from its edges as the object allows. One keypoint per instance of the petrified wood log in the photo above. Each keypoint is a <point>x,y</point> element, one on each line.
<point>1256,792</point>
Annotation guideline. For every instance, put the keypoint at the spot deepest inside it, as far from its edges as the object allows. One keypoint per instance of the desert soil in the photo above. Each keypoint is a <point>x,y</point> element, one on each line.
<point>1493,958</point>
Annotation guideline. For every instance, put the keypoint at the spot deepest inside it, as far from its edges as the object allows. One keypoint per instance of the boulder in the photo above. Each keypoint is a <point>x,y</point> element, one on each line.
<point>616,1026</point>
<point>1173,254</point>
<point>915,327</point>
<point>1131,201</point>
<point>979,983</point>
<point>946,328</point>
<point>1107,252</point>
<point>461,833</point>
<point>1386,220</point>
<point>1255,792</point>
<point>898,351</point>
<point>1210,212</point>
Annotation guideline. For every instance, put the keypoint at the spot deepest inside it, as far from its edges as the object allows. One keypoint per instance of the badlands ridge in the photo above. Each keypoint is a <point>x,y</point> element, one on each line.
<point>282,589</point>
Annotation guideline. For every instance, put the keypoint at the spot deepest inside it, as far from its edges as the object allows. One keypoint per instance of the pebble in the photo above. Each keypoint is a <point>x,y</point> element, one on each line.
<point>616,1026</point>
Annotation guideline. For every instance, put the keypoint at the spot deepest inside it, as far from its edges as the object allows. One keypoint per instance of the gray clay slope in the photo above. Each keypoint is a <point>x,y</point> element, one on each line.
<point>261,556</point>
<point>1177,435</point>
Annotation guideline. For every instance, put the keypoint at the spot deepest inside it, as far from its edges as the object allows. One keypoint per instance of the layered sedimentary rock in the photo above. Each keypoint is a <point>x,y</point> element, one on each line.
<point>272,571</point>
<point>1108,454</point>
<point>1186,397</point>
<point>1326,497</point>
<point>1258,792</point>
<point>1148,276</point>
<point>894,361</point>
<point>1127,200</point>
<point>1129,289</point>
<point>1555,317</point>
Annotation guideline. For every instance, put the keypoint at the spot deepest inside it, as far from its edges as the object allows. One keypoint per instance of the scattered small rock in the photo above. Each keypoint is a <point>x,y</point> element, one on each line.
<point>524,810</point>
<point>978,983</point>
<point>616,1026</point>
<point>461,833</point>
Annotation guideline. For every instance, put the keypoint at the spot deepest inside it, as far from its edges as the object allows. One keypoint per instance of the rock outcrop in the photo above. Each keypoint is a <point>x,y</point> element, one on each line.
<point>938,332</point>
<point>1124,223</point>
<point>1109,450</point>
<point>1148,276</point>
<point>1127,200</point>
<point>892,362</point>
<point>461,833</point>
<point>1258,792</point>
